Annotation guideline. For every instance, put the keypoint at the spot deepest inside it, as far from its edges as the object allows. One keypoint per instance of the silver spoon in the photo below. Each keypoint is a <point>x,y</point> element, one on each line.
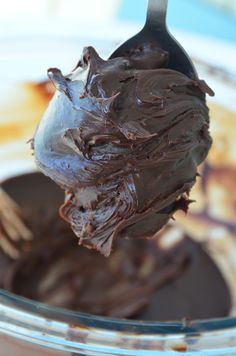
<point>156,32</point>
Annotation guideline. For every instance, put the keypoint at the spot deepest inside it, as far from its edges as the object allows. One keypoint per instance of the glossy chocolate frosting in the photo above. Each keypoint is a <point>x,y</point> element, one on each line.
<point>124,138</point>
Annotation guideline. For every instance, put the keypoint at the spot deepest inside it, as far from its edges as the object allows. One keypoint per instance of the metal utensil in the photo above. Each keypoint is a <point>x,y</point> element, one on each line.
<point>156,32</point>
<point>12,227</point>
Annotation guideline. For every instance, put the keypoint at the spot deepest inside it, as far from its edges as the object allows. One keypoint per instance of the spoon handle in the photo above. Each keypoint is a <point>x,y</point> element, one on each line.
<point>156,14</point>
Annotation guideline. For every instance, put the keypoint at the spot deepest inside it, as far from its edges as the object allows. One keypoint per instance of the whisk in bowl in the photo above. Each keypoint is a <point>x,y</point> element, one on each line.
<point>13,229</point>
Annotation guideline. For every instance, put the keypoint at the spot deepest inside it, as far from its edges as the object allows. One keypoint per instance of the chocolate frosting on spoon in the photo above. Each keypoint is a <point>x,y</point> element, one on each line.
<point>124,138</point>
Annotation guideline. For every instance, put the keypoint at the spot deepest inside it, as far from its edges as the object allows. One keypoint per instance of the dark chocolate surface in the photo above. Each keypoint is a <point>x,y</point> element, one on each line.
<point>124,138</point>
<point>140,280</point>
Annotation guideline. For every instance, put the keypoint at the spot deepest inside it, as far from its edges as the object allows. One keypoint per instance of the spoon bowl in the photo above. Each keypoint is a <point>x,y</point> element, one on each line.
<point>156,33</point>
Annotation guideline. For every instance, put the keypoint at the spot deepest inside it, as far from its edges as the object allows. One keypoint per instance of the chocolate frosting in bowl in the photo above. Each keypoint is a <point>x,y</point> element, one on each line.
<point>168,278</point>
<point>123,138</point>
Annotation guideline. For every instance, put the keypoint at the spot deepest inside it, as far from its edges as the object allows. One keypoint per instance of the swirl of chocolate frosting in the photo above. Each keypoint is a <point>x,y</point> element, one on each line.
<point>124,138</point>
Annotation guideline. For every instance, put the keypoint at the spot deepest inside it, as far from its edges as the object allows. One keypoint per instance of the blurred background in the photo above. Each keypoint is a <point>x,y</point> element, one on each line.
<point>215,18</point>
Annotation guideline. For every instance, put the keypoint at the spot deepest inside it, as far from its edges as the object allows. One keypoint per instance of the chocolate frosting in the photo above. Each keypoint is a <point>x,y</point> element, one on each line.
<point>168,278</point>
<point>121,286</point>
<point>124,138</point>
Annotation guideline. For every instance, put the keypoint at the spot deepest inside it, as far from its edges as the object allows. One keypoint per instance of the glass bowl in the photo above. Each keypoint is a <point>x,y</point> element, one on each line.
<point>31,328</point>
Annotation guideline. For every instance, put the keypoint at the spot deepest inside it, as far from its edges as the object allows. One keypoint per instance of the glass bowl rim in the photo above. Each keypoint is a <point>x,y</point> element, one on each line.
<point>52,313</point>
